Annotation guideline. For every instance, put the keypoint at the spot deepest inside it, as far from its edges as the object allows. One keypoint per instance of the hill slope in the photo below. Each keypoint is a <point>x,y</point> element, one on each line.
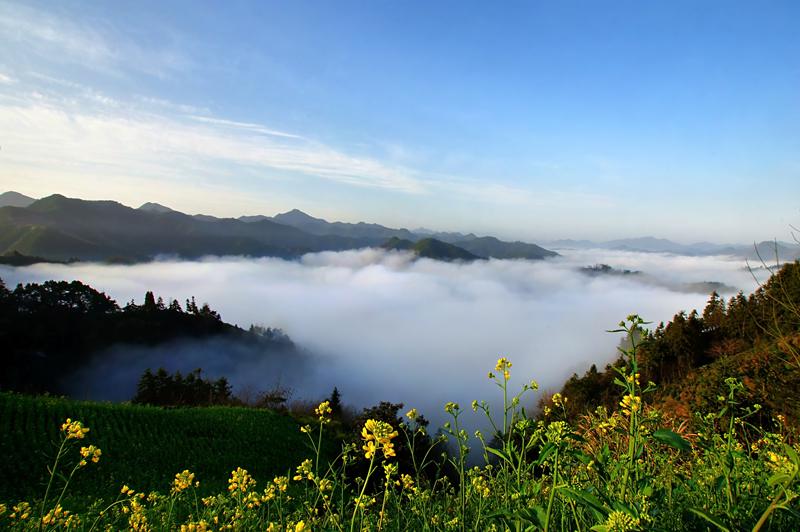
<point>430,248</point>
<point>60,228</point>
<point>57,227</point>
<point>754,339</point>
<point>491,247</point>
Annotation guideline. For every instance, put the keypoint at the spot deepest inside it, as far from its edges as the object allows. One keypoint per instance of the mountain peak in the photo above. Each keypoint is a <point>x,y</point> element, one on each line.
<point>14,199</point>
<point>155,207</point>
<point>296,216</point>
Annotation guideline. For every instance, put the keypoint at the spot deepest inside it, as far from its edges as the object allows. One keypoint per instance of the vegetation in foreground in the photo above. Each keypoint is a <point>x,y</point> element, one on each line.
<point>617,470</point>
<point>141,445</point>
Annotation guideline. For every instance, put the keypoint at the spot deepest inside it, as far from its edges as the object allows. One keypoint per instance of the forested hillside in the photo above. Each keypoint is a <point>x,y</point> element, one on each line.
<point>52,329</point>
<point>754,338</point>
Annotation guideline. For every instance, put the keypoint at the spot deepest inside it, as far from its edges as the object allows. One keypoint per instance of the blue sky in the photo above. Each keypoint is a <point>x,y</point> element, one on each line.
<point>531,120</point>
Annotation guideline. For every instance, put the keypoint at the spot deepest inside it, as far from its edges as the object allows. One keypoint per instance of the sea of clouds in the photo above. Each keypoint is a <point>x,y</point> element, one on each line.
<point>382,326</point>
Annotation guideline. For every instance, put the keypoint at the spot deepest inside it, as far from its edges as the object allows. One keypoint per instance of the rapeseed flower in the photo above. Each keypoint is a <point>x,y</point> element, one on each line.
<point>621,522</point>
<point>90,452</point>
<point>240,481</point>
<point>503,364</point>
<point>631,404</point>
<point>74,430</point>
<point>451,408</point>
<point>323,410</point>
<point>378,434</point>
<point>560,400</point>
<point>183,481</point>
<point>304,470</point>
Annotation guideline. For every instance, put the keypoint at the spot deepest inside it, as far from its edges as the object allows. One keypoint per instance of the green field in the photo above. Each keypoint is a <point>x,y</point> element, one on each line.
<point>142,446</point>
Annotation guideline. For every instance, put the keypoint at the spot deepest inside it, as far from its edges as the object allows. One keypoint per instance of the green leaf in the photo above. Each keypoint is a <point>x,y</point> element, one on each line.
<point>546,451</point>
<point>587,499</point>
<point>667,437</point>
<point>792,454</point>
<point>779,478</point>
<point>710,519</point>
<point>499,453</point>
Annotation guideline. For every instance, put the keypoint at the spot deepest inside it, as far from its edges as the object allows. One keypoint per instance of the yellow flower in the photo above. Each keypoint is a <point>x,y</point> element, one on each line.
<point>300,526</point>
<point>388,450</point>
<point>631,404</point>
<point>451,407</point>
<point>406,481</point>
<point>304,470</point>
<point>412,414</point>
<point>503,364</point>
<point>21,511</point>
<point>240,481</point>
<point>324,409</point>
<point>282,483</point>
<point>621,522</point>
<point>182,481</point>
<point>375,433</point>
<point>559,400</point>
<point>369,449</point>
<point>481,486</point>
<point>74,430</point>
<point>200,526</point>
<point>91,452</point>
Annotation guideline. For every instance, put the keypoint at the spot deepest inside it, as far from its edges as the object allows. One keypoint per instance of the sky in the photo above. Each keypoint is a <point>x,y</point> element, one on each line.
<point>528,120</point>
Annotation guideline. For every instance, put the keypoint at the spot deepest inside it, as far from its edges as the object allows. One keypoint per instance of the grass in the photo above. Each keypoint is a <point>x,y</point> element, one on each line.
<point>142,446</point>
<point>615,471</point>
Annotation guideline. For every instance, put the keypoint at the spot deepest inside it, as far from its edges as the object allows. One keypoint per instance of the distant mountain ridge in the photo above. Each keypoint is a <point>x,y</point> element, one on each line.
<point>60,228</point>
<point>649,244</point>
<point>63,228</point>
<point>15,199</point>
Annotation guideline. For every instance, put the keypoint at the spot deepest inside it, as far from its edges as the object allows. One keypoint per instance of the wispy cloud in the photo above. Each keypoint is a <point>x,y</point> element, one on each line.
<point>76,128</point>
<point>253,128</point>
<point>52,37</point>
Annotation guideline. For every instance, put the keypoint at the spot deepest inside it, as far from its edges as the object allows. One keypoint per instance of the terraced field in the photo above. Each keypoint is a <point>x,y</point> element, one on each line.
<point>142,446</point>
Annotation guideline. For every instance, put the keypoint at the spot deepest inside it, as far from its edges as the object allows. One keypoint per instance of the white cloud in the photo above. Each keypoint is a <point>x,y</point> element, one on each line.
<point>421,332</point>
<point>100,136</point>
<point>53,37</point>
<point>255,128</point>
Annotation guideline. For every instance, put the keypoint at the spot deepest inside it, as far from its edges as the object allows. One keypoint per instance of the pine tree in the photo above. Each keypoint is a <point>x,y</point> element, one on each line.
<point>150,302</point>
<point>336,403</point>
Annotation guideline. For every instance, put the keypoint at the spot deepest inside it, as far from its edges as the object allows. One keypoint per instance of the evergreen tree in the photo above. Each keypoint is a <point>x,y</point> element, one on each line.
<point>149,302</point>
<point>336,403</point>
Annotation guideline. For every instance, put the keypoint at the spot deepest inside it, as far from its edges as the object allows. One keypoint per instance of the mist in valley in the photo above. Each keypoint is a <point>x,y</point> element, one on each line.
<point>383,326</point>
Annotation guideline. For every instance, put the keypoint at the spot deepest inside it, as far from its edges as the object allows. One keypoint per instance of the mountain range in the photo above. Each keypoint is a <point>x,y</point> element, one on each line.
<point>766,249</point>
<point>61,228</point>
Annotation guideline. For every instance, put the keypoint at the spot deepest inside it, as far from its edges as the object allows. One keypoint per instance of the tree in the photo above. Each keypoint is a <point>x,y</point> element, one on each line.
<point>150,302</point>
<point>336,403</point>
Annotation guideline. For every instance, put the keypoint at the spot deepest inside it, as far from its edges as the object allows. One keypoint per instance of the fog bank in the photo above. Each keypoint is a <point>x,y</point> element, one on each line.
<point>382,326</point>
